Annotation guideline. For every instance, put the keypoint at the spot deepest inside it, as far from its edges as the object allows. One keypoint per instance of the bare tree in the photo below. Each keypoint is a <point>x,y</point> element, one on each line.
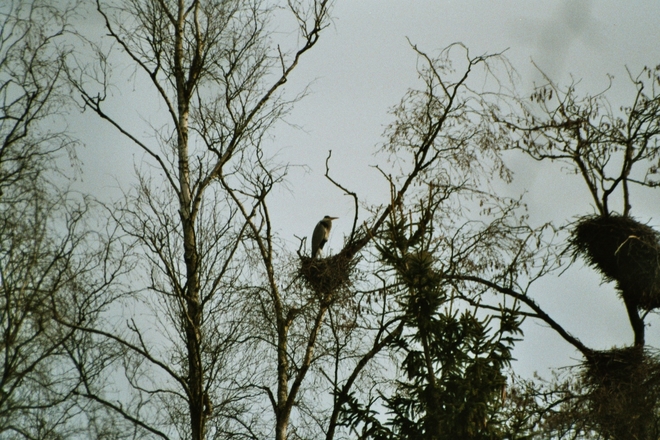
<point>615,152</point>
<point>32,53</point>
<point>219,81</point>
<point>51,266</point>
<point>611,149</point>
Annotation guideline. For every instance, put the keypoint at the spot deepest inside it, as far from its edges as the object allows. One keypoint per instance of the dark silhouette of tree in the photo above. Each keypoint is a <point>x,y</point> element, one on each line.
<point>448,354</point>
<point>615,393</point>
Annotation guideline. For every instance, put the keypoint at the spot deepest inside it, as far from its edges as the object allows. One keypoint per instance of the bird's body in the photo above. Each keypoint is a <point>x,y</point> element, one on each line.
<point>321,234</point>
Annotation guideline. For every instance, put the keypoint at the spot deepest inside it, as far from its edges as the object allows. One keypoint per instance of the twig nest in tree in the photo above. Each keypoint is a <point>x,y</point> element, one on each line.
<point>623,250</point>
<point>614,366</point>
<point>622,385</point>
<point>327,276</point>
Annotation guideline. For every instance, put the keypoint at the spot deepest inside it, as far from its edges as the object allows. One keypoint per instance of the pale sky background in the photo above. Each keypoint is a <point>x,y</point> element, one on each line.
<point>363,65</point>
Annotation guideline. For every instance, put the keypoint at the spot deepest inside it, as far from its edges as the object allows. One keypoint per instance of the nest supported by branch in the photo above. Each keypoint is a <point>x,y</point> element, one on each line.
<point>623,250</point>
<point>623,391</point>
<point>327,277</point>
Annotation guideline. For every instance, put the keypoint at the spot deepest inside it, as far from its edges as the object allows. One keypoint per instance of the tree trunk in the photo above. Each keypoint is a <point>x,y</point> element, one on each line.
<point>636,322</point>
<point>191,308</point>
<point>191,304</point>
<point>281,416</point>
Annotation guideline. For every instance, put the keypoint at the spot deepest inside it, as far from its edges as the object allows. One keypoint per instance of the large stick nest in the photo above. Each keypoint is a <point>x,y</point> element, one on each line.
<point>623,250</point>
<point>327,276</point>
<point>623,391</point>
<point>616,367</point>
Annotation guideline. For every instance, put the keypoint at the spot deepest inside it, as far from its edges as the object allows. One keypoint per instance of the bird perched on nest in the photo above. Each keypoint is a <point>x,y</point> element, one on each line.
<point>321,234</point>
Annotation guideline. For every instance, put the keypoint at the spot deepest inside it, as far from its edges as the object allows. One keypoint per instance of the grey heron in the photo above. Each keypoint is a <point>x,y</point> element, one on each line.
<point>321,234</point>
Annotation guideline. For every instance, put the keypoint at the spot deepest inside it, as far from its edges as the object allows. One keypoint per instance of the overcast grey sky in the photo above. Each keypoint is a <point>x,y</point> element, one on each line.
<point>363,65</point>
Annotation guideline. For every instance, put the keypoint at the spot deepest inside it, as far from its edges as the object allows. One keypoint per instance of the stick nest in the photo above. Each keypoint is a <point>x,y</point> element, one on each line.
<point>327,276</point>
<point>617,367</point>
<point>623,250</point>
<point>623,390</point>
